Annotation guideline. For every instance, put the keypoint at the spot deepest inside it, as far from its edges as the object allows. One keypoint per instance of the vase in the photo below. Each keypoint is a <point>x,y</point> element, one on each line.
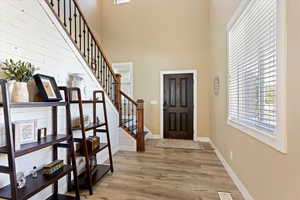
<point>77,80</point>
<point>10,85</point>
<point>20,92</point>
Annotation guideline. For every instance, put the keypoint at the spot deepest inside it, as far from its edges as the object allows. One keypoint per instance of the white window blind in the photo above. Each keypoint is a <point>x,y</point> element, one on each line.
<point>252,86</point>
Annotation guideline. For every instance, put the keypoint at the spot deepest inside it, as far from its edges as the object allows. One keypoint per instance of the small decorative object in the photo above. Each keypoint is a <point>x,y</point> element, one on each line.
<point>52,168</point>
<point>10,85</point>
<point>34,94</point>
<point>97,120</point>
<point>42,132</point>
<point>21,180</point>
<point>20,72</point>
<point>34,172</point>
<point>80,163</point>
<point>47,87</point>
<point>24,132</point>
<point>92,142</point>
<point>93,162</point>
<point>77,80</point>
<point>216,85</point>
<point>76,121</point>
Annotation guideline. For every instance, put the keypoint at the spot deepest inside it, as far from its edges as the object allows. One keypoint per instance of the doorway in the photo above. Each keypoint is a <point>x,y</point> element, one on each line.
<point>178,98</point>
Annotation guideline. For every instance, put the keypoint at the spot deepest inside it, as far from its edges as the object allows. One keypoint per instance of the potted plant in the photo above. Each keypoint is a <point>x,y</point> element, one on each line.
<point>20,72</point>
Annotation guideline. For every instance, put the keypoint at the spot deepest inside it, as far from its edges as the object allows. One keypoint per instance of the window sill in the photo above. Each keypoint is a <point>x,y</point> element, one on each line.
<point>275,141</point>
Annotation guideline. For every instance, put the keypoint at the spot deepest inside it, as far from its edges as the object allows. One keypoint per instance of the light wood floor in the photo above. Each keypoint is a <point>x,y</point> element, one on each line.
<point>163,174</point>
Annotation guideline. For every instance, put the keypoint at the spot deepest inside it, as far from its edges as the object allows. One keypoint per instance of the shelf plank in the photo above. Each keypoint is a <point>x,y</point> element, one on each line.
<point>101,147</point>
<point>61,197</point>
<point>34,185</point>
<point>3,149</point>
<point>4,169</point>
<point>90,127</point>
<point>97,173</point>
<point>35,104</point>
<point>45,142</point>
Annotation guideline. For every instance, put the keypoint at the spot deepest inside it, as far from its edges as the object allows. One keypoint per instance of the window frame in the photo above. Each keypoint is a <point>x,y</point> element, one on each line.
<point>277,141</point>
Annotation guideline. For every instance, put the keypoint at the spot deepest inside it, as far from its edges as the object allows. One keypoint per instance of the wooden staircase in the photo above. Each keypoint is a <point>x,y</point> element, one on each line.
<point>131,112</point>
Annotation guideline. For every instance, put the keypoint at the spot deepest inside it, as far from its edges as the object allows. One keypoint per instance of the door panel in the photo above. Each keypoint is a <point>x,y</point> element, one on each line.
<point>178,106</point>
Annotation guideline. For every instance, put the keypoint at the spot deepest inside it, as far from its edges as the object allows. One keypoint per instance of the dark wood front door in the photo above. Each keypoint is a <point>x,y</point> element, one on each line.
<point>178,106</point>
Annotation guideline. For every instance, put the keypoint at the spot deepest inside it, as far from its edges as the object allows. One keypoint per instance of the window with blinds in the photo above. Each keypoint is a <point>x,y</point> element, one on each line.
<point>253,59</point>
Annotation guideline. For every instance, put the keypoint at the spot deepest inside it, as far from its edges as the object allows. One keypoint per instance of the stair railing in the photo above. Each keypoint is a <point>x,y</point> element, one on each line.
<point>71,18</point>
<point>132,119</point>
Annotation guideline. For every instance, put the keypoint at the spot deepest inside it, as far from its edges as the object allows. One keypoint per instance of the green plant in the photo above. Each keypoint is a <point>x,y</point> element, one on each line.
<point>19,71</point>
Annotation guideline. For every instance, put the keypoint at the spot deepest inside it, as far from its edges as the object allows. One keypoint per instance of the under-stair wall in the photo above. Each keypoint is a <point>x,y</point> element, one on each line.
<point>27,33</point>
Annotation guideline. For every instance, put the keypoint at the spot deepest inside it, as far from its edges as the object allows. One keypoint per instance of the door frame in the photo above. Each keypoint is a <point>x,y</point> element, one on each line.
<point>129,65</point>
<point>162,73</point>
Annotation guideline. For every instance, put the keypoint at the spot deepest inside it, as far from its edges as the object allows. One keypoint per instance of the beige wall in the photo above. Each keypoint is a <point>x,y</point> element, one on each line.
<point>159,35</point>
<point>92,11</point>
<point>173,34</point>
<point>267,174</point>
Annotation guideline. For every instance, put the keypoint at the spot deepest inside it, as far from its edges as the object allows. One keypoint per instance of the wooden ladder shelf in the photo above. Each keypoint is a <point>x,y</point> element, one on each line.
<point>92,175</point>
<point>35,185</point>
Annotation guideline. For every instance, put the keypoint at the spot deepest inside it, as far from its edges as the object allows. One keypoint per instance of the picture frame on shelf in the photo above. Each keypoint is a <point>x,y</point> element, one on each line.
<point>47,87</point>
<point>24,132</point>
<point>42,133</point>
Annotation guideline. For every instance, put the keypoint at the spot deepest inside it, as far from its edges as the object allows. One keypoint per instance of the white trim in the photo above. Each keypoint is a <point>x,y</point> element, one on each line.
<point>279,140</point>
<point>233,175</point>
<point>203,139</point>
<point>124,147</point>
<point>237,13</point>
<point>116,66</point>
<point>154,136</point>
<point>162,73</point>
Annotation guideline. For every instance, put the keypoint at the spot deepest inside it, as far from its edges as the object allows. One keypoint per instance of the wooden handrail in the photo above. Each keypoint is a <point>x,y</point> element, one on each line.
<point>72,19</point>
<point>94,38</point>
<point>129,98</point>
<point>74,22</point>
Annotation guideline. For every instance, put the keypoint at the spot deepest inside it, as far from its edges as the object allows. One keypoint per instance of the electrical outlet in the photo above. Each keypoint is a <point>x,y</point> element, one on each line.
<point>231,155</point>
<point>225,196</point>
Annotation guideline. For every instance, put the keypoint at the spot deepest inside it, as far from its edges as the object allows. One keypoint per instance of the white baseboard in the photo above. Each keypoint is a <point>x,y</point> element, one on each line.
<point>154,136</point>
<point>127,147</point>
<point>233,175</point>
<point>203,139</point>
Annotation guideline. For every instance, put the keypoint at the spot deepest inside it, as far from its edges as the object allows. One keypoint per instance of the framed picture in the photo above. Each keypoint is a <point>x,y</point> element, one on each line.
<point>47,87</point>
<point>41,133</point>
<point>24,132</point>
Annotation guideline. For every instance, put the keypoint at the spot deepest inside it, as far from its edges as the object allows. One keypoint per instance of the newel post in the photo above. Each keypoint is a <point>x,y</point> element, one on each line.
<point>118,92</point>
<point>140,136</point>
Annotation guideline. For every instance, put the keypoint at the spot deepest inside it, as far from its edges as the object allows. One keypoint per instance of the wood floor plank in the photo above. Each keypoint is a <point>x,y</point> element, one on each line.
<point>165,174</point>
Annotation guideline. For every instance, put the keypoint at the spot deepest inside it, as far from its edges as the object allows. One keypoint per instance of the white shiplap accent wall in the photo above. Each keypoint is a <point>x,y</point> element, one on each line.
<point>27,33</point>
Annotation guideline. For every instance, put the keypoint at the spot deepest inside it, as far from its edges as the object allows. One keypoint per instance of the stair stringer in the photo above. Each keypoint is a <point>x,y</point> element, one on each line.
<point>126,141</point>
